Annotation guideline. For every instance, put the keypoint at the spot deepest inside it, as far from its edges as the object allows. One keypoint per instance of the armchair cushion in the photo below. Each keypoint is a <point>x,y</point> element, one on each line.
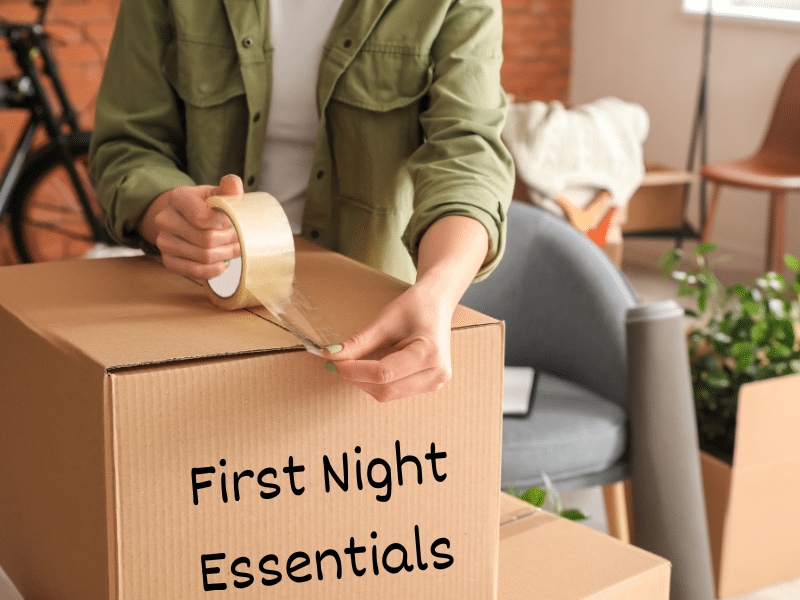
<point>571,432</point>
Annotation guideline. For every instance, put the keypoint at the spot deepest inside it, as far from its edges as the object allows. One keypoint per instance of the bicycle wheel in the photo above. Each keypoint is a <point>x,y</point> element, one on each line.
<point>47,219</point>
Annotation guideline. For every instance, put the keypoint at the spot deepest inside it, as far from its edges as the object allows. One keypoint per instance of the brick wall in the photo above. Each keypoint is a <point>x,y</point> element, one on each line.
<point>536,46</point>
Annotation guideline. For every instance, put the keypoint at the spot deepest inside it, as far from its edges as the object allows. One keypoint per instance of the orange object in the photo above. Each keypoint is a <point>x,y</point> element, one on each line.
<point>599,234</point>
<point>774,168</point>
<point>584,219</point>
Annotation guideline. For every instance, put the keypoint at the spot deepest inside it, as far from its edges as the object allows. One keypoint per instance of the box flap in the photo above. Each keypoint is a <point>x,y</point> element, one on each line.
<point>766,422</point>
<point>512,509</point>
<point>546,556</point>
<point>121,323</point>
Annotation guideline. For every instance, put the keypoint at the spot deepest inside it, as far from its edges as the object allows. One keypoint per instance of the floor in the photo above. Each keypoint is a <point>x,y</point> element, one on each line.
<point>651,287</point>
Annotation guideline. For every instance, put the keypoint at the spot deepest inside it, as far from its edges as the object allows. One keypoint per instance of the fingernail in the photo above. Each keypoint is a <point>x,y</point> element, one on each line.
<point>330,367</point>
<point>227,264</point>
<point>334,348</point>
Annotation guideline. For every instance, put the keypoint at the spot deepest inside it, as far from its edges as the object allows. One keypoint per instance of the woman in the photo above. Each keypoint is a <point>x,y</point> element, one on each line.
<point>376,123</point>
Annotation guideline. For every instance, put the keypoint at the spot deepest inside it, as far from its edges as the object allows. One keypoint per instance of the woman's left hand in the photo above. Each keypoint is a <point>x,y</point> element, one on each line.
<point>406,351</point>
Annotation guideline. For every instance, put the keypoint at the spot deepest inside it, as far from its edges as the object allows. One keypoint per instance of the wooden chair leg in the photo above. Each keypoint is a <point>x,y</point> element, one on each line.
<point>775,231</point>
<point>710,214</point>
<point>619,509</point>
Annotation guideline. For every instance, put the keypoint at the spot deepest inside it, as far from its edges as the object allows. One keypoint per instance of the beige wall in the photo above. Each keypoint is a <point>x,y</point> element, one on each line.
<point>650,52</point>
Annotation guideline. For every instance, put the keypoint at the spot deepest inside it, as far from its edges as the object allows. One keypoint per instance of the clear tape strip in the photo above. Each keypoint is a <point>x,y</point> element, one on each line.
<point>300,316</point>
<point>265,273</point>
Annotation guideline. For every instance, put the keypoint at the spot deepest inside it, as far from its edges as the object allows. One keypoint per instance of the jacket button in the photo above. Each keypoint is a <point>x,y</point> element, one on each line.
<point>348,43</point>
<point>251,180</point>
<point>256,117</point>
<point>320,174</point>
<point>314,233</point>
<point>247,42</point>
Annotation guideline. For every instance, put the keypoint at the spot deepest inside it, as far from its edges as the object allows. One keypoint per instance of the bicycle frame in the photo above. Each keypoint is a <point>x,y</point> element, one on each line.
<point>27,41</point>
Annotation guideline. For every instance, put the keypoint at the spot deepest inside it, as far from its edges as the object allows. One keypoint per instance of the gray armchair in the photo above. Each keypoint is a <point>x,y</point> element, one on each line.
<point>564,304</point>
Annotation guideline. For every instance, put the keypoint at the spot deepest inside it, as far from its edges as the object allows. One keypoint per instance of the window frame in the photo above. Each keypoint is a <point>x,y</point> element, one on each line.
<point>762,10</point>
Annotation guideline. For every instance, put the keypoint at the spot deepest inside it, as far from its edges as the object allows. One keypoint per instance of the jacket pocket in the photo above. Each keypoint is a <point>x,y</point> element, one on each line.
<point>382,78</point>
<point>208,80</point>
<point>374,125</point>
<point>203,74</point>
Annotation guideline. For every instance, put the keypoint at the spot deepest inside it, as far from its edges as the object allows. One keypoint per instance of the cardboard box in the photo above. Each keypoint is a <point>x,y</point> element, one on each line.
<point>545,556</point>
<point>145,434</point>
<point>753,526</point>
<point>658,203</point>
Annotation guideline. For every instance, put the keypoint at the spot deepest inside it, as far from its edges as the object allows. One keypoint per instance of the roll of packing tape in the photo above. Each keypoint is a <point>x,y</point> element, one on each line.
<point>265,269</point>
<point>264,274</point>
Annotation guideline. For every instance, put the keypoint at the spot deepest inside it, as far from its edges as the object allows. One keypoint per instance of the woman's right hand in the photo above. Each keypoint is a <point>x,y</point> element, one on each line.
<point>194,240</point>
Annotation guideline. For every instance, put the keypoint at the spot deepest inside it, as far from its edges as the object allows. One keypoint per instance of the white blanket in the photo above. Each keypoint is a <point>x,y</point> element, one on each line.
<point>596,145</point>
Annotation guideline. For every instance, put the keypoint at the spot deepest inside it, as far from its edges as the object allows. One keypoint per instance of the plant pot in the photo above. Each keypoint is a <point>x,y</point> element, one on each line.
<point>753,529</point>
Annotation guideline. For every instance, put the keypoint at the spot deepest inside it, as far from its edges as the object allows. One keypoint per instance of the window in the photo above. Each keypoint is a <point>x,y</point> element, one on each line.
<point>774,10</point>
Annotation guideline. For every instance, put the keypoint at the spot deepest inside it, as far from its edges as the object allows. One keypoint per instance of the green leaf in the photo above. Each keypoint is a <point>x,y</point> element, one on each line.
<point>704,249</point>
<point>786,329</point>
<point>534,495</point>
<point>702,301</point>
<point>792,262</point>
<point>751,308</point>
<point>740,291</point>
<point>744,353</point>
<point>684,289</point>
<point>778,351</point>
<point>669,260</point>
<point>691,313</point>
<point>718,379</point>
<point>758,332</point>
<point>573,514</point>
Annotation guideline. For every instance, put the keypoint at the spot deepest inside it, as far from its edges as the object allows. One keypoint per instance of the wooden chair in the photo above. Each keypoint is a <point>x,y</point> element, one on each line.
<point>774,168</point>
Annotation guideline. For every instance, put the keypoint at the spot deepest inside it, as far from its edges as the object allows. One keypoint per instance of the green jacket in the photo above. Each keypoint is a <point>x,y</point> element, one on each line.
<point>410,108</point>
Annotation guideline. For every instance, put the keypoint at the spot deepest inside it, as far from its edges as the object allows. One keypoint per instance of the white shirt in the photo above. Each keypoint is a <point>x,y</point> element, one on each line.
<point>298,32</point>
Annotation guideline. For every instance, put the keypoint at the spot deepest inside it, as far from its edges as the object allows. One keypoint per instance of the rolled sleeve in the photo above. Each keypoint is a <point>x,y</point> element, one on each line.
<point>463,167</point>
<point>137,149</point>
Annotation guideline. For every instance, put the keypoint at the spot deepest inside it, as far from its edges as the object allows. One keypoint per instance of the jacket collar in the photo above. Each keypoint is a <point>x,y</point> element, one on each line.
<point>354,23</point>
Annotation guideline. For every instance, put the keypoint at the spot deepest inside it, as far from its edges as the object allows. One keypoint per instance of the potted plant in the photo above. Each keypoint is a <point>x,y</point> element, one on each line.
<point>744,357</point>
<point>745,332</point>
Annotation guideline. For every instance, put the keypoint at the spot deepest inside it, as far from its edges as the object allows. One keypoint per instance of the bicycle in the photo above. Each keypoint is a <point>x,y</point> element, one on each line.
<point>47,193</point>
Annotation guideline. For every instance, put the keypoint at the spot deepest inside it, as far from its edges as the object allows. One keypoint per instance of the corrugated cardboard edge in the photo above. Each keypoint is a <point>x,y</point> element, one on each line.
<point>716,487</point>
<point>652,582</point>
<point>753,545</point>
<point>62,494</point>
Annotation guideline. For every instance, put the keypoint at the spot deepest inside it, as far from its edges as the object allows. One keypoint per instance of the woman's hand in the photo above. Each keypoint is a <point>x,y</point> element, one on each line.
<point>194,240</point>
<point>412,334</point>
<point>410,340</point>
